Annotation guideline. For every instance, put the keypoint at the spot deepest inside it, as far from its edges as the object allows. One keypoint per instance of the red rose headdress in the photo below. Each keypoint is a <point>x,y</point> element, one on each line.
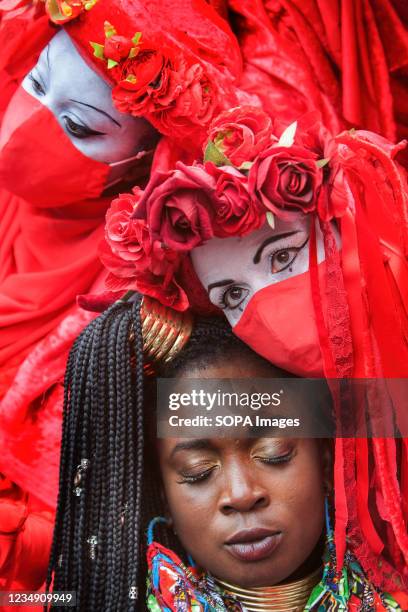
<point>251,170</point>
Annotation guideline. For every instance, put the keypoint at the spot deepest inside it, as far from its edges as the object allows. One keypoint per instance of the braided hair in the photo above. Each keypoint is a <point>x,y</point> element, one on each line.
<point>95,549</point>
<point>105,500</point>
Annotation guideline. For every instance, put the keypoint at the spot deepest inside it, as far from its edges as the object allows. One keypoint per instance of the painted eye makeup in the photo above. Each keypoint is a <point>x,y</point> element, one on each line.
<point>276,459</point>
<point>78,130</point>
<point>233,297</point>
<point>277,456</point>
<point>36,84</point>
<point>281,259</point>
<point>197,474</point>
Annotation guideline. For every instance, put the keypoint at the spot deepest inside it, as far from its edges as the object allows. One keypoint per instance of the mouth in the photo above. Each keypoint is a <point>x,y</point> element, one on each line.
<point>253,544</point>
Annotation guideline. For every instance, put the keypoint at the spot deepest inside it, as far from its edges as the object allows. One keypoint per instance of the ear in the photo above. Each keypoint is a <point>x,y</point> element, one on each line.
<point>166,509</point>
<point>327,454</point>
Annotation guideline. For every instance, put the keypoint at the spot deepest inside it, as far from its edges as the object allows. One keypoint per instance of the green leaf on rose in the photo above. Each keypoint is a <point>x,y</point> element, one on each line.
<point>288,137</point>
<point>247,165</point>
<point>213,154</point>
<point>131,79</point>
<point>133,52</point>
<point>98,50</point>
<point>109,29</point>
<point>136,38</point>
<point>321,163</point>
<point>270,217</point>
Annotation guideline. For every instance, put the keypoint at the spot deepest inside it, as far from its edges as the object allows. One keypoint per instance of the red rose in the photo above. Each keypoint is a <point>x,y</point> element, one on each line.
<point>176,98</point>
<point>241,133</point>
<point>178,207</point>
<point>122,272</point>
<point>147,82</point>
<point>117,47</point>
<point>286,178</point>
<point>198,97</point>
<point>236,213</point>
<point>127,237</point>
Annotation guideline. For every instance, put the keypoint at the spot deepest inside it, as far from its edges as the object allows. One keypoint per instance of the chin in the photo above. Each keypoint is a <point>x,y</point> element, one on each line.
<point>257,575</point>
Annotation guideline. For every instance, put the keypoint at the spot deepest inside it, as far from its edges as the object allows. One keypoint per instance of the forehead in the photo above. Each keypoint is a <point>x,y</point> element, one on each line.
<point>69,73</point>
<point>174,446</point>
<point>225,257</point>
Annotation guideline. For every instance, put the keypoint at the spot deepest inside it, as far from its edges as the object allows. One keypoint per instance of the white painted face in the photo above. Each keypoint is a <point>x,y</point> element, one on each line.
<point>81,102</point>
<point>233,269</point>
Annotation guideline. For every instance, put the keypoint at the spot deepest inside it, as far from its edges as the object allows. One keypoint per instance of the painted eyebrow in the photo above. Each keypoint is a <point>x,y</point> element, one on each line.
<point>199,444</point>
<point>258,254</point>
<point>98,110</point>
<point>221,283</point>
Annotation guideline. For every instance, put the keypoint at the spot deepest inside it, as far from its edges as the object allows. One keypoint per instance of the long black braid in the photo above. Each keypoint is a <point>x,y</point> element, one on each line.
<point>97,536</point>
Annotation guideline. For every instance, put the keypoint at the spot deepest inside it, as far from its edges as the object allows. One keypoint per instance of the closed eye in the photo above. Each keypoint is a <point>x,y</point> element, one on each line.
<point>79,130</point>
<point>191,478</point>
<point>36,84</point>
<point>276,459</point>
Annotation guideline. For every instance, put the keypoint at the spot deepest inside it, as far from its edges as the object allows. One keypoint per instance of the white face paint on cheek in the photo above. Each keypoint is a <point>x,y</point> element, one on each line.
<point>232,270</point>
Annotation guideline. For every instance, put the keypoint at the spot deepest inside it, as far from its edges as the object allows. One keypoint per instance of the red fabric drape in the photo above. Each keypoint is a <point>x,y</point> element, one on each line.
<point>47,257</point>
<point>346,58</point>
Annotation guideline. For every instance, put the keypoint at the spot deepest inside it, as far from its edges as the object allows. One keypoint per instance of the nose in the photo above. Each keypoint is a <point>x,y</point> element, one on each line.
<point>242,491</point>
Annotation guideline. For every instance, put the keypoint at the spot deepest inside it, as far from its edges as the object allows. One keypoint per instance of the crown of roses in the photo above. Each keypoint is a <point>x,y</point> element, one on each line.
<point>249,174</point>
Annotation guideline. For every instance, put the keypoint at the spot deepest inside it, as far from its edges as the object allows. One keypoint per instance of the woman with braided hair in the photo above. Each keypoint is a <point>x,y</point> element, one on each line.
<point>247,512</point>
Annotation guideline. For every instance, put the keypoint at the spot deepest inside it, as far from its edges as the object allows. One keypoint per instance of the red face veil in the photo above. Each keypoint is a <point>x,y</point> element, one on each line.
<point>51,170</point>
<point>268,326</point>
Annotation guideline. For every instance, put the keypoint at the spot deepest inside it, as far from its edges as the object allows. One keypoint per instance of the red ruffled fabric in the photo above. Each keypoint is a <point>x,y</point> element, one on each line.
<point>346,58</point>
<point>370,498</point>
